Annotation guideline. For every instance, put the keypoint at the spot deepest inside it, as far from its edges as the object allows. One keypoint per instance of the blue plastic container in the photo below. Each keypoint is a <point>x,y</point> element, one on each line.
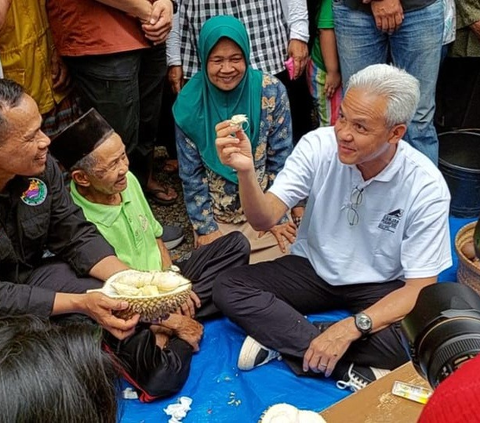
<point>459,162</point>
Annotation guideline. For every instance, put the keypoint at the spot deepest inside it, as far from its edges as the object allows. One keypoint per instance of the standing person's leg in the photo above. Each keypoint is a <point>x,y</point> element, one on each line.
<point>269,301</point>
<point>326,108</point>
<point>359,42</point>
<point>151,78</point>
<point>109,83</point>
<point>417,47</point>
<point>300,105</point>
<point>204,264</point>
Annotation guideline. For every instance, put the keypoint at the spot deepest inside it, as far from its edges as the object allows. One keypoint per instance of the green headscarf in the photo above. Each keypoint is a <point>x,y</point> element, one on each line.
<point>200,105</point>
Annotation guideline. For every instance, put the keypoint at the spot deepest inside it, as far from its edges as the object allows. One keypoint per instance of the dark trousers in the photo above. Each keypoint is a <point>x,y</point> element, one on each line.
<point>126,89</point>
<point>58,276</point>
<point>269,301</point>
<point>301,105</point>
<point>160,372</point>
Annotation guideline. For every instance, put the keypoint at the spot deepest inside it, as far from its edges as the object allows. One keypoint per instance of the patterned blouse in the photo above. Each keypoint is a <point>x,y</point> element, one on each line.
<point>208,196</point>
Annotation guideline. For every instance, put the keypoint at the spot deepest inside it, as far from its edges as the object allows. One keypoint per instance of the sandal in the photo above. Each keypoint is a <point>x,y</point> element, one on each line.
<point>166,191</point>
<point>170,166</point>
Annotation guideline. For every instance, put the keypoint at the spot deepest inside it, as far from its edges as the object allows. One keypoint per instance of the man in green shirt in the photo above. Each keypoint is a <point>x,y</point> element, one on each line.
<point>112,199</point>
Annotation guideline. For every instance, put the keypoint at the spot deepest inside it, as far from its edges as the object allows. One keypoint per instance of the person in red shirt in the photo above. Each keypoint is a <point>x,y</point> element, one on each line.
<point>115,52</point>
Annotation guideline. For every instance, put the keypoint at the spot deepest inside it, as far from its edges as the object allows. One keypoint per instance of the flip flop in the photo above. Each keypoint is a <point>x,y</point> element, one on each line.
<point>152,194</point>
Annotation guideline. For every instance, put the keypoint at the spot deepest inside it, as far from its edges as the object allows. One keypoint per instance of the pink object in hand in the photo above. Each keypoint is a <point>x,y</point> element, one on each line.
<point>290,66</point>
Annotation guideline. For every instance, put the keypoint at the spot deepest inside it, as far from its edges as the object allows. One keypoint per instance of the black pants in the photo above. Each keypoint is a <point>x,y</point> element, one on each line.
<point>126,89</point>
<point>269,301</point>
<point>160,372</point>
<point>154,371</point>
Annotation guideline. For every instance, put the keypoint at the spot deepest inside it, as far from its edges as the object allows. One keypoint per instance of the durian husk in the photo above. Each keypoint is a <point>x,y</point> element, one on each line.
<point>149,307</point>
<point>154,307</point>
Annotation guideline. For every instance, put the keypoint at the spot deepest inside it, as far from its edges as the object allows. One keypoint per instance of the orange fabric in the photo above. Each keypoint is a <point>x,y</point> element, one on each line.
<point>87,27</point>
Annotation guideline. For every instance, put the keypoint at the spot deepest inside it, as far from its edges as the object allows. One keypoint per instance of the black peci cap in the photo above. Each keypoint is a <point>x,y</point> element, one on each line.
<point>80,138</point>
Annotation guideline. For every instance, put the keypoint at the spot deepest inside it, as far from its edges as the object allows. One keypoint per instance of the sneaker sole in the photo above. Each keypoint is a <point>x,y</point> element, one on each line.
<point>248,346</point>
<point>174,243</point>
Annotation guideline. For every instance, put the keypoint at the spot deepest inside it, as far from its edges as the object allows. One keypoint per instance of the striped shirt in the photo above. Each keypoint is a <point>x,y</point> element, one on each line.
<point>269,25</point>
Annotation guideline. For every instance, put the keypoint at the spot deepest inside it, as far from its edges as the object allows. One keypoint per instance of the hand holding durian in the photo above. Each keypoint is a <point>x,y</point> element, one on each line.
<point>150,294</point>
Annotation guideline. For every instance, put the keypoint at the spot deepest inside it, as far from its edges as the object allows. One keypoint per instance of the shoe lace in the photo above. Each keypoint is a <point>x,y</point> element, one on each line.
<point>354,382</point>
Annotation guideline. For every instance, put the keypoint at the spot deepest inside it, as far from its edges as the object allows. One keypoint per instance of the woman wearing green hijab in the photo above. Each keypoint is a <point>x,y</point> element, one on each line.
<point>225,86</point>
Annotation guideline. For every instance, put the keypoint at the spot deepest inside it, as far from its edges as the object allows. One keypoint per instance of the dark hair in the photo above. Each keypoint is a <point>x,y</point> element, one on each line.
<point>10,95</point>
<point>54,374</point>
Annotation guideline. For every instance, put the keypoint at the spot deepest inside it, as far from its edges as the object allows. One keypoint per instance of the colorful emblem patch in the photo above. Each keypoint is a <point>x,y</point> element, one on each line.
<point>36,192</point>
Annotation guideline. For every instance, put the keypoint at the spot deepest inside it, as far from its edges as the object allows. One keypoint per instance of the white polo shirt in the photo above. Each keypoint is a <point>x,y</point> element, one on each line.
<point>402,230</point>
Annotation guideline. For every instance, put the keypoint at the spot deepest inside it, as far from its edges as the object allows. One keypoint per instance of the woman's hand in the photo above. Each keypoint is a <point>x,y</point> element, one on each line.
<point>285,230</point>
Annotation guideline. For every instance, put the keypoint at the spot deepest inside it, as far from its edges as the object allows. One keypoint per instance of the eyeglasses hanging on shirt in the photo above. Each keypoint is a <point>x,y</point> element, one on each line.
<point>356,198</point>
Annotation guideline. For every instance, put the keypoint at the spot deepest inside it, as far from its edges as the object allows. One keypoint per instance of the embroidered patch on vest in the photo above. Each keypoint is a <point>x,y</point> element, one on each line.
<point>391,220</point>
<point>36,193</point>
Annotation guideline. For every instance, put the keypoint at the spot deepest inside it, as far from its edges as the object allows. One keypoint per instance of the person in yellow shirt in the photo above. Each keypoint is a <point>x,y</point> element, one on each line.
<point>28,57</point>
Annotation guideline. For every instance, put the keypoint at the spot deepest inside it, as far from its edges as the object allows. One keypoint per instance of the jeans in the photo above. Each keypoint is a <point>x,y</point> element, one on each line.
<point>126,89</point>
<point>416,47</point>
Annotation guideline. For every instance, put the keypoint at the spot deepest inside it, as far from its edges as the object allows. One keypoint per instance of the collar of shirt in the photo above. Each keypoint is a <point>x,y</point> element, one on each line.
<point>105,214</point>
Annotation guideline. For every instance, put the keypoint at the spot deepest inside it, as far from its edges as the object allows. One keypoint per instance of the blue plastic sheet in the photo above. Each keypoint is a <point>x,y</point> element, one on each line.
<point>221,393</point>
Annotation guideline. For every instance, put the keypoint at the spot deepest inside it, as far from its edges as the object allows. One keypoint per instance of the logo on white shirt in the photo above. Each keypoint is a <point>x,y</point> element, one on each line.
<point>391,220</point>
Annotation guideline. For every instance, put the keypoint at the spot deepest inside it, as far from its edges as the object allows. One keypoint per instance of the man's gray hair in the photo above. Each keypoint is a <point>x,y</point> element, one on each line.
<point>401,90</point>
<point>87,164</point>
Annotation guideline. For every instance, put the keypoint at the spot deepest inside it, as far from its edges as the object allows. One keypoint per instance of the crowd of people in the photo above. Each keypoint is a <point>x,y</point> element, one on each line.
<point>325,194</point>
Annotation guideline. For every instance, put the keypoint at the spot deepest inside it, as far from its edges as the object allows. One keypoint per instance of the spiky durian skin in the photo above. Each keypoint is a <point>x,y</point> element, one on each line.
<point>152,308</point>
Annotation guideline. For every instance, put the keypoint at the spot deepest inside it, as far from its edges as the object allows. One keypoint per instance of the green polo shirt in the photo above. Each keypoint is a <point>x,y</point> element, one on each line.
<point>130,228</point>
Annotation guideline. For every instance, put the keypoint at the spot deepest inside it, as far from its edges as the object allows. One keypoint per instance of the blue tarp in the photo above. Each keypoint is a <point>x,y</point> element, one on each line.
<point>221,393</point>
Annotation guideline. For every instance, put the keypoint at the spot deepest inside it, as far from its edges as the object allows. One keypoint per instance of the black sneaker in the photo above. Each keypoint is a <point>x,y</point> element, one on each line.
<point>253,354</point>
<point>358,377</point>
<point>172,236</point>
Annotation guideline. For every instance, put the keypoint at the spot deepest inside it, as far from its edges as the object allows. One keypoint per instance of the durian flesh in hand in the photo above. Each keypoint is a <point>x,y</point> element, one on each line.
<point>239,119</point>
<point>150,294</point>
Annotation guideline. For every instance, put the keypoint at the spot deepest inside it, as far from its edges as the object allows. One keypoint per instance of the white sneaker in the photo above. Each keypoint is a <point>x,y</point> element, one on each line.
<point>253,354</point>
<point>358,377</point>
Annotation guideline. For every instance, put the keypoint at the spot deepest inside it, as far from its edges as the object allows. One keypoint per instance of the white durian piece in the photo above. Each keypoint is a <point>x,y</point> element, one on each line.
<point>168,281</point>
<point>149,290</point>
<point>239,119</point>
<point>125,289</point>
<point>133,278</point>
<point>287,413</point>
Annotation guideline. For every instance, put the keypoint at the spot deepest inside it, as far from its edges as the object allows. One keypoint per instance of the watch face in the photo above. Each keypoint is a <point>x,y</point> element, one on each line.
<point>363,322</point>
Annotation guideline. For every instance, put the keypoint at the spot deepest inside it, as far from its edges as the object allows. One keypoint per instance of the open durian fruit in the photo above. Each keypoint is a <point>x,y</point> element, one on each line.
<point>287,413</point>
<point>150,294</point>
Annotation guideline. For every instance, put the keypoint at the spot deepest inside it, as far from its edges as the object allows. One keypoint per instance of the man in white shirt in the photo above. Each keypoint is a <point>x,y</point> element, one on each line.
<point>374,233</point>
